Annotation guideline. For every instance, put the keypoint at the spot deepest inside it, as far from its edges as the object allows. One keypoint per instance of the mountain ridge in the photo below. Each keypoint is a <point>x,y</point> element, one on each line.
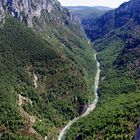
<point>39,14</point>
<point>86,12</point>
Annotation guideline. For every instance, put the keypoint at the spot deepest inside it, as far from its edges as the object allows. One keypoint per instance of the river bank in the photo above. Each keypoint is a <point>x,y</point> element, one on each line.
<point>90,108</point>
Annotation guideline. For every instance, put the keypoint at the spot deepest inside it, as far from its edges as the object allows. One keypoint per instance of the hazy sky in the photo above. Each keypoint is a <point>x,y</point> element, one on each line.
<point>109,3</point>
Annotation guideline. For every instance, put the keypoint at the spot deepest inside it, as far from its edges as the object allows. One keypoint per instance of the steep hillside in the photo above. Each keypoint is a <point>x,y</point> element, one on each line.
<point>47,69</point>
<point>116,37</point>
<point>40,14</point>
<point>125,17</point>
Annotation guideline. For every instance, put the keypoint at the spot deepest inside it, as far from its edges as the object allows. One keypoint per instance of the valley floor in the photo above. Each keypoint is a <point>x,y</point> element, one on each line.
<point>90,107</point>
<point>117,113</point>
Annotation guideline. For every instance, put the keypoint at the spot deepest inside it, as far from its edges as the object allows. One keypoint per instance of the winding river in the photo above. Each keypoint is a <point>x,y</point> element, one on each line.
<point>90,108</point>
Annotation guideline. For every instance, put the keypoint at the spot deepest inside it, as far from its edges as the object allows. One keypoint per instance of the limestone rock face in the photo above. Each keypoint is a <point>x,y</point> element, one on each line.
<point>2,13</point>
<point>26,10</point>
<point>23,9</point>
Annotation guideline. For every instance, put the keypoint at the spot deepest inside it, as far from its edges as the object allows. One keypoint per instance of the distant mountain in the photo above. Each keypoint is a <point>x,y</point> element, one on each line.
<point>76,8</point>
<point>86,12</point>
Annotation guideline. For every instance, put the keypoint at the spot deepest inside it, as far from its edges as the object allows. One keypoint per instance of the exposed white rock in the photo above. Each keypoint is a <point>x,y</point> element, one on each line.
<point>46,137</point>
<point>32,130</point>
<point>2,13</point>
<point>32,119</point>
<point>21,100</point>
<point>35,80</point>
<point>24,9</point>
<point>49,8</point>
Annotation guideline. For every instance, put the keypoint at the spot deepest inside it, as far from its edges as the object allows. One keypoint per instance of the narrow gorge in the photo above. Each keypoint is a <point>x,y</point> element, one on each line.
<point>90,107</point>
<point>57,85</point>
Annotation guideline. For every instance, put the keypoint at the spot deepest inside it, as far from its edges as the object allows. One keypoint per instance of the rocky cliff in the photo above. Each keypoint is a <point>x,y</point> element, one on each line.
<point>127,16</point>
<point>34,12</point>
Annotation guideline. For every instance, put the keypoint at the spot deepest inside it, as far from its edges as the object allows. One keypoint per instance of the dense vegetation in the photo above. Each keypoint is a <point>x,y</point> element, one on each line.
<point>65,67</point>
<point>116,37</point>
<point>47,75</point>
<point>116,119</point>
<point>117,114</point>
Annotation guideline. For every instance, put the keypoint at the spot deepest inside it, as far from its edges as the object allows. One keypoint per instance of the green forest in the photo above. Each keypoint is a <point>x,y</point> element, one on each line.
<point>117,114</point>
<point>49,71</point>
<point>65,69</point>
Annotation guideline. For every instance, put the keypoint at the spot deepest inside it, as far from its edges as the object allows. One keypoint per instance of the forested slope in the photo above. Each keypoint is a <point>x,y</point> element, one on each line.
<point>47,71</point>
